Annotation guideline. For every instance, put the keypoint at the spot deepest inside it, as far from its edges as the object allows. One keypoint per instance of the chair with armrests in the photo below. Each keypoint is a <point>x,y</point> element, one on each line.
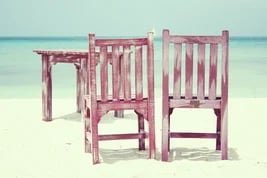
<point>116,87</point>
<point>200,80</point>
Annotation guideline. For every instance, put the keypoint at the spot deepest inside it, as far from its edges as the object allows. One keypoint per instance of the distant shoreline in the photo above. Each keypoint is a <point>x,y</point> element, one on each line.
<point>10,38</point>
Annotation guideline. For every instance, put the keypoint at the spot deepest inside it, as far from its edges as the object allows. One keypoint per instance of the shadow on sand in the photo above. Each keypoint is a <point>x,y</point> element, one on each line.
<point>179,153</point>
<point>111,156</point>
<point>200,154</point>
<point>70,117</point>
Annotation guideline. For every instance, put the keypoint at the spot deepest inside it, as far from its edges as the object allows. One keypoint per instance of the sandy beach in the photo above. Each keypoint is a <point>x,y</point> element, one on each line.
<point>31,148</point>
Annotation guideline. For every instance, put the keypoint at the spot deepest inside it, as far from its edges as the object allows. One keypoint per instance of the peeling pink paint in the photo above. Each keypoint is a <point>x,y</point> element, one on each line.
<point>175,99</point>
<point>121,96</point>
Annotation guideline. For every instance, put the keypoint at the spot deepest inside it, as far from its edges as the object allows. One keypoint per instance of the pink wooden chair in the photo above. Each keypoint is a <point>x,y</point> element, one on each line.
<point>209,93</point>
<point>127,91</point>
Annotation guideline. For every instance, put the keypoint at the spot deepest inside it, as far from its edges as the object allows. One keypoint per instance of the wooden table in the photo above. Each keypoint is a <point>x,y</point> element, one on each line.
<point>76,57</point>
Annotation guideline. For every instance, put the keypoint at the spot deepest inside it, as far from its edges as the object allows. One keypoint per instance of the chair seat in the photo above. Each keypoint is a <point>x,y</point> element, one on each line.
<point>194,102</point>
<point>111,104</point>
<point>120,104</point>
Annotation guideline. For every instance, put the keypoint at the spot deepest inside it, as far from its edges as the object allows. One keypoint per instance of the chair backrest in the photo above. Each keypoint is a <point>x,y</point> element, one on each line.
<point>118,72</point>
<point>199,63</point>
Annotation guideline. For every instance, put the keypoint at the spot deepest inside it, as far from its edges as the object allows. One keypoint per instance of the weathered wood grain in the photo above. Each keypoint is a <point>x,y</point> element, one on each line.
<point>121,97</point>
<point>202,99</point>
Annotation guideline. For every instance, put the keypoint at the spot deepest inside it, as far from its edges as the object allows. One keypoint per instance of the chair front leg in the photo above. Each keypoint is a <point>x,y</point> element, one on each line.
<point>151,130</point>
<point>165,136</point>
<point>87,130</point>
<point>224,133</point>
<point>169,127</point>
<point>94,137</point>
<point>141,130</point>
<point>87,143</point>
<point>218,128</point>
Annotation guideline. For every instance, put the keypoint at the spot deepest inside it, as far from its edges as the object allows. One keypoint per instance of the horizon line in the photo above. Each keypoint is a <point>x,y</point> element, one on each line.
<point>104,36</point>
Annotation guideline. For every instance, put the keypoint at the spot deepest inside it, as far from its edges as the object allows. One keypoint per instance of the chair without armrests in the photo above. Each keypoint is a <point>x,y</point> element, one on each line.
<point>211,97</point>
<point>121,95</point>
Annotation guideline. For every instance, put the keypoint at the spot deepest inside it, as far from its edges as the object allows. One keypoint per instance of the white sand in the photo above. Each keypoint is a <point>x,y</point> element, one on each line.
<point>31,148</point>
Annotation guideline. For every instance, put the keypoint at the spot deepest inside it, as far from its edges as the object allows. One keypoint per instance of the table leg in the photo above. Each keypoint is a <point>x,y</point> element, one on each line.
<point>120,113</point>
<point>78,89</point>
<point>46,89</point>
<point>83,82</point>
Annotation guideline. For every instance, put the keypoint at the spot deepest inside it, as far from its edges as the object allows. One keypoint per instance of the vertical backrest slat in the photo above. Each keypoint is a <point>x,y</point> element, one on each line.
<point>213,71</point>
<point>126,74</point>
<point>104,72</point>
<point>138,73</point>
<point>150,69</point>
<point>189,71</point>
<point>225,68</point>
<point>91,63</point>
<point>177,70</point>
<point>115,73</point>
<point>165,73</point>
<point>201,72</point>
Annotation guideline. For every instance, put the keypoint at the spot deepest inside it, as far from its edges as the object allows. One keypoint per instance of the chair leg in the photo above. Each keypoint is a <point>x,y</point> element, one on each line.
<point>151,130</point>
<point>87,144</point>
<point>169,128</point>
<point>95,144</point>
<point>165,137</point>
<point>141,130</point>
<point>224,133</point>
<point>218,128</point>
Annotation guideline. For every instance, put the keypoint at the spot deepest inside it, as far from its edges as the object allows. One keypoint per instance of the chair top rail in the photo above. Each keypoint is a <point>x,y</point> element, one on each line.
<point>121,42</point>
<point>196,39</point>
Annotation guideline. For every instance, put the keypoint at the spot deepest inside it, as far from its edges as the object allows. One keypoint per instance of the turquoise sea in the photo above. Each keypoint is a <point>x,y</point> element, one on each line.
<point>20,67</point>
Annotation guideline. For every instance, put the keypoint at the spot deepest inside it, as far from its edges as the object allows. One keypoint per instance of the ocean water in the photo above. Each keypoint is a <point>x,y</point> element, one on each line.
<point>20,67</point>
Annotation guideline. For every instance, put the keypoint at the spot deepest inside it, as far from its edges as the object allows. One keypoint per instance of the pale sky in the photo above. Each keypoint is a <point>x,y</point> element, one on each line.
<point>131,17</point>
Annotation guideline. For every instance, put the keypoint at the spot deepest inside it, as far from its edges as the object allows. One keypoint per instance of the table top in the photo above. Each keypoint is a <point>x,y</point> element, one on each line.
<point>69,55</point>
<point>62,52</point>
<point>76,53</point>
